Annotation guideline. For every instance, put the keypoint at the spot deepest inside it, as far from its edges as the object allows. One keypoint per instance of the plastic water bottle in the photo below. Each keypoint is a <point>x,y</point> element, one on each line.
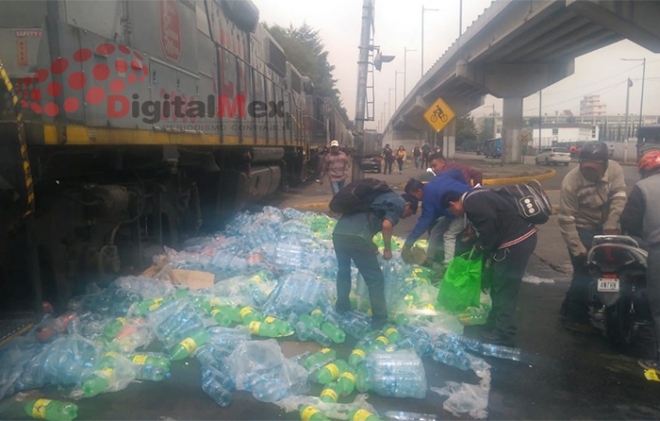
<point>346,382</point>
<point>393,336</point>
<point>248,315</point>
<point>47,409</point>
<point>98,382</point>
<point>330,394</point>
<point>112,329</point>
<point>153,360</point>
<point>151,373</point>
<point>335,333</point>
<point>311,413</point>
<point>318,317</point>
<point>362,415</point>
<point>359,353</point>
<point>408,416</point>
<point>219,394</point>
<point>452,359</point>
<point>330,372</point>
<point>225,380</point>
<point>398,374</point>
<point>320,358</point>
<point>269,330</point>
<point>362,383</point>
<point>499,351</point>
<point>187,346</point>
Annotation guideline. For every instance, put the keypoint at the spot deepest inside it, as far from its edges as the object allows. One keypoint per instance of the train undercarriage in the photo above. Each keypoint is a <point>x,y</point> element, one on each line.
<point>102,212</point>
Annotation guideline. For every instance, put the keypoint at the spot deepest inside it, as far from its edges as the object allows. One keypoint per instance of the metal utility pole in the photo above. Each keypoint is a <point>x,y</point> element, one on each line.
<point>360,102</point>
<point>424,9</point>
<point>540,117</point>
<point>405,76</point>
<point>494,123</point>
<point>641,105</point>
<point>625,131</point>
<point>460,18</point>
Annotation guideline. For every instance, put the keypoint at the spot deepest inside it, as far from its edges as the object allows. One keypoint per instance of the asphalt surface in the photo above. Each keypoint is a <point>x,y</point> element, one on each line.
<point>562,375</point>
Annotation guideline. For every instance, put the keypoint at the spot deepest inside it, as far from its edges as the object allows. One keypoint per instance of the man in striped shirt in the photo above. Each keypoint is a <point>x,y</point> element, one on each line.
<point>504,236</point>
<point>593,196</point>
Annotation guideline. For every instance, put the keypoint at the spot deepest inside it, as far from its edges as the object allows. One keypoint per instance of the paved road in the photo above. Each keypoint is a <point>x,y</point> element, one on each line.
<point>562,375</point>
<point>630,172</point>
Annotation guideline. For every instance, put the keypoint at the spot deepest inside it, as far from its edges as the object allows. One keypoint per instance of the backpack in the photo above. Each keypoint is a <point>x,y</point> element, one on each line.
<point>358,195</point>
<point>531,200</point>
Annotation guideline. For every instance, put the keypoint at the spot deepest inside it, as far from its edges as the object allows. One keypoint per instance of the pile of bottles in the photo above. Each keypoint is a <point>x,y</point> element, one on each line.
<point>274,277</point>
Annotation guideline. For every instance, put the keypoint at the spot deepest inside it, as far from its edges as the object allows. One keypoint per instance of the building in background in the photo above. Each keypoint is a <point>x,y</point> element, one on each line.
<point>564,134</point>
<point>590,106</point>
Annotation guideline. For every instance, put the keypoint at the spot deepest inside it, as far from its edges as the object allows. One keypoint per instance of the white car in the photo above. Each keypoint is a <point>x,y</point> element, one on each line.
<point>555,156</point>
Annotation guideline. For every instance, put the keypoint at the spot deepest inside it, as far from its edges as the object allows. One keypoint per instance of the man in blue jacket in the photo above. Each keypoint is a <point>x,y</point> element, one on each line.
<point>448,227</point>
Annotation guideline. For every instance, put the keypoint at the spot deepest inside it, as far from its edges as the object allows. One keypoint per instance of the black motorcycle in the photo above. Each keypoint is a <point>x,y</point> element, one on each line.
<point>617,293</point>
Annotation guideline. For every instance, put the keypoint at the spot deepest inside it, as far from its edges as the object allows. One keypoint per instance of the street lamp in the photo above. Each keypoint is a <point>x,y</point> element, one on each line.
<point>405,56</point>
<point>460,18</point>
<point>424,9</point>
<point>641,104</point>
<point>396,79</point>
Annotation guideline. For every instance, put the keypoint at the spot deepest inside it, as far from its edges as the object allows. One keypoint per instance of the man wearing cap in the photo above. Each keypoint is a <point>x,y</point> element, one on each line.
<point>592,198</point>
<point>335,166</point>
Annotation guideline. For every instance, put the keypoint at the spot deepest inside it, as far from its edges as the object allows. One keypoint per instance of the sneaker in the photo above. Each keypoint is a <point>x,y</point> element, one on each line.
<point>582,327</point>
<point>649,364</point>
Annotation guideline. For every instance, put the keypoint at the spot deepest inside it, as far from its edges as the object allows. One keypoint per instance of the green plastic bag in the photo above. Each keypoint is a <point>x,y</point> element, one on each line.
<point>461,285</point>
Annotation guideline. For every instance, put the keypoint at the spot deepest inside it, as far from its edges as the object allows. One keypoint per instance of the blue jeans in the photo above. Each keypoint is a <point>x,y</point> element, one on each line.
<point>417,158</point>
<point>336,186</point>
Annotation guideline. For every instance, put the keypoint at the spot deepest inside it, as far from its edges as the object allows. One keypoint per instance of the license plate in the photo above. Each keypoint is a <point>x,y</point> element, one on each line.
<point>608,285</point>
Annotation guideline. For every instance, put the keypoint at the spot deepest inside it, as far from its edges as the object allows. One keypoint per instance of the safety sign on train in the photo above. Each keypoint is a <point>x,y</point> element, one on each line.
<point>439,115</point>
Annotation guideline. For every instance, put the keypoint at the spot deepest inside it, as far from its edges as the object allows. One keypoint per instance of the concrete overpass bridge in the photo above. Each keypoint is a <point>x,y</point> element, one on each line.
<point>514,49</point>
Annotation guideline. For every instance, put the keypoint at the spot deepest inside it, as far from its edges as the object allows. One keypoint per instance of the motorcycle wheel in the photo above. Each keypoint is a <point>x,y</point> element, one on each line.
<point>619,323</point>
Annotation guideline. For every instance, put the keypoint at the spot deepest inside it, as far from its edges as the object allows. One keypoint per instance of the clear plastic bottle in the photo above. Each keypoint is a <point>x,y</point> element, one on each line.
<point>499,351</point>
<point>219,394</point>
<point>408,416</point>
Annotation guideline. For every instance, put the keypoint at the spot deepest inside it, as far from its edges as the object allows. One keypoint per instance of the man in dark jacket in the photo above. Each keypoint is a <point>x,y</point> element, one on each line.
<point>388,157</point>
<point>503,235</point>
<point>352,239</point>
<point>641,218</point>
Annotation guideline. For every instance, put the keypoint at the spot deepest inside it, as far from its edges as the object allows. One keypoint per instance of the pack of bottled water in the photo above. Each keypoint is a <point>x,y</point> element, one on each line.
<point>398,374</point>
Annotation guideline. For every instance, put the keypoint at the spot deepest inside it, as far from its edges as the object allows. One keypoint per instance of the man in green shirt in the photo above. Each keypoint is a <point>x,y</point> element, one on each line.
<point>352,239</point>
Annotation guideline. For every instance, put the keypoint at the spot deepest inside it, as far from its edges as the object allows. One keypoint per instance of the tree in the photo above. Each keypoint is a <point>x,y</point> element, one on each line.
<point>466,133</point>
<point>305,50</point>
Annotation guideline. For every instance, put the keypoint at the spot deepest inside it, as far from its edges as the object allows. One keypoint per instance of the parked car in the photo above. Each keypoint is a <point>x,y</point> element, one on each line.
<point>372,164</point>
<point>554,156</point>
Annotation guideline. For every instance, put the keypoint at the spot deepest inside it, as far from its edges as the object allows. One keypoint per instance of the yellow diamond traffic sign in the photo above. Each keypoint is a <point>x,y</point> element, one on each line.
<point>439,115</point>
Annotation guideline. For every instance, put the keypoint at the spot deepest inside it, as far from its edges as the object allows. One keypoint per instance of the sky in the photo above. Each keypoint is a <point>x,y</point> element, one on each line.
<point>398,27</point>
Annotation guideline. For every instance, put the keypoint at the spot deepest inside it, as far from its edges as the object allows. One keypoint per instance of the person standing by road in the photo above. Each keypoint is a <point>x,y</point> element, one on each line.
<point>592,198</point>
<point>426,150</point>
<point>507,238</point>
<point>417,154</point>
<point>641,218</point>
<point>447,228</point>
<point>353,240</point>
<point>388,157</point>
<point>472,175</point>
<point>401,157</point>
<point>335,166</point>
<point>438,149</point>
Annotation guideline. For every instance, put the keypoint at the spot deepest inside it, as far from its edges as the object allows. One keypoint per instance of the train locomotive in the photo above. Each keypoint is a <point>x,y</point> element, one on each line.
<point>142,124</point>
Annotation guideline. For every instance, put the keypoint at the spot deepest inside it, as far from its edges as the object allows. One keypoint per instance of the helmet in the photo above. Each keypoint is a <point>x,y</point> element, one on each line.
<point>594,152</point>
<point>649,162</point>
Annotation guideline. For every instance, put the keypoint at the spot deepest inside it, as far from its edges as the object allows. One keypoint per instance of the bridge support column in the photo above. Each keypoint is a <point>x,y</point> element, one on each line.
<point>512,125</point>
<point>449,140</point>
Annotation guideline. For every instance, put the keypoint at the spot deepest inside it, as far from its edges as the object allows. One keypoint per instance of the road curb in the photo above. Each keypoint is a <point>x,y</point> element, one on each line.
<point>319,206</point>
<point>515,180</point>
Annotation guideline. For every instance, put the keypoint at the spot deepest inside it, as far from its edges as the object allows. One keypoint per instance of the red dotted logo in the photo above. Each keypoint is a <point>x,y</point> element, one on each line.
<point>121,67</point>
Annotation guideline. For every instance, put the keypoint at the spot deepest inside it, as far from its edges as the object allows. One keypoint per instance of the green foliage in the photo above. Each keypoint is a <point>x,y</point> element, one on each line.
<point>305,50</point>
<point>466,133</point>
